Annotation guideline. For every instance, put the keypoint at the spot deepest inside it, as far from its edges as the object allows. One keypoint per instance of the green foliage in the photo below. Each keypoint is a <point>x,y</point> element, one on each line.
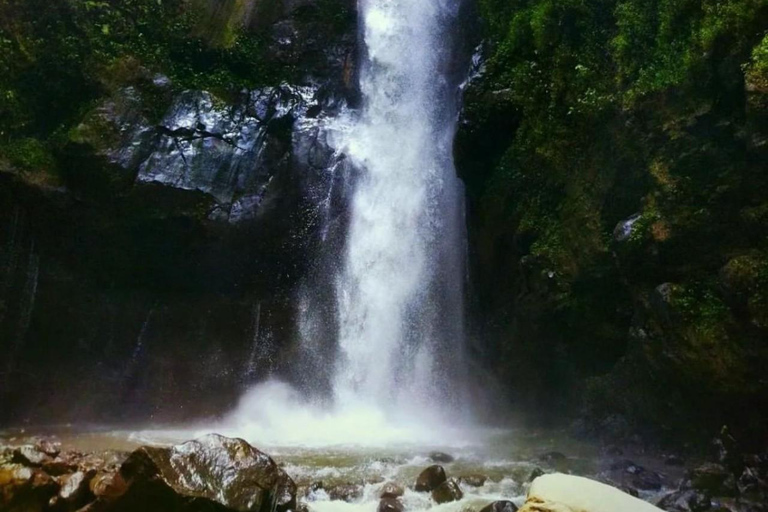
<point>28,155</point>
<point>625,107</point>
<point>56,57</point>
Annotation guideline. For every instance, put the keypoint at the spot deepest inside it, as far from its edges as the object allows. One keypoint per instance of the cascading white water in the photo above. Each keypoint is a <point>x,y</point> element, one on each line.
<point>399,281</point>
<point>404,209</point>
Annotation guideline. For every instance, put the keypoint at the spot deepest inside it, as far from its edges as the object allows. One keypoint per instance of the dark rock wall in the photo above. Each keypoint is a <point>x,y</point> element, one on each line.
<point>150,259</point>
<point>615,158</point>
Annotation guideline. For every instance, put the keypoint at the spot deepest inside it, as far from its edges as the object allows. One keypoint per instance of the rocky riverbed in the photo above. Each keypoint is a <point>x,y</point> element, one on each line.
<point>110,471</point>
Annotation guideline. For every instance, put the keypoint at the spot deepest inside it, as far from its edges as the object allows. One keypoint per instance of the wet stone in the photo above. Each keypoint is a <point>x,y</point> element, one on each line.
<point>391,490</point>
<point>30,456</point>
<point>390,504</point>
<point>714,479</point>
<point>500,506</point>
<point>198,475</point>
<point>346,492</point>
<point>441,457</point>
<point>685,501</point>
<point>447,491</point>
<point>473,480</point>
<point>430,479</point>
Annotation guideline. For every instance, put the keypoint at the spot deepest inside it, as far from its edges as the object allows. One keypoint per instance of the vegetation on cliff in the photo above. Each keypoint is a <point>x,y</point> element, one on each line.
<point>648,113</point>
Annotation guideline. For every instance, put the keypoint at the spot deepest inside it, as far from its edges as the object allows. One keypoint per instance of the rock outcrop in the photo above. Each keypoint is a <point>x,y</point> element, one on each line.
<point>209,473</point>
<point>565,493</point>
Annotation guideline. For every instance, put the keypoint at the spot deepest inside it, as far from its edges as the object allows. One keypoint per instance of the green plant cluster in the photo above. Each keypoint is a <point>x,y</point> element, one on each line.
<point>58,57</point>
<point>598,110</point>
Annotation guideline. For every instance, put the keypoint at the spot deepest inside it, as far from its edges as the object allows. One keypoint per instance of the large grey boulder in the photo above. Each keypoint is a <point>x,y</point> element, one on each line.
<point>210,473</point>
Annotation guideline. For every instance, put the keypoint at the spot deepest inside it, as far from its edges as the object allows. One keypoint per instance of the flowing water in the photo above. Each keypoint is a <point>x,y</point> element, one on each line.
<point>393,314</point>
<point>397,360</point>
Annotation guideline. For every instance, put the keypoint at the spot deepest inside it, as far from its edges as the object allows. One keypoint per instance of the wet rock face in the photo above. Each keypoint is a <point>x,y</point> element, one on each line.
<point>167,194</point>
<point>430,479</point>
<point>208,472</point>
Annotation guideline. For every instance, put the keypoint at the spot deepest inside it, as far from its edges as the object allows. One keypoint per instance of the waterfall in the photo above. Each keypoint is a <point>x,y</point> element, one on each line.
<point>381,322</point>
<point>400,290</point>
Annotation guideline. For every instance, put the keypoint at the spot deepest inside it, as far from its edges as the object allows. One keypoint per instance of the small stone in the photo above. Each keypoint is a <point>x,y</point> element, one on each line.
<point>441,457</point>
<point>30,456</point>
<point>536,473</point>
<point>713,479</point>
<point>473,480</point>
<point>49,447</point>
<point>107,485</point>
<point>391,490</point>
<point>500,506</point>
<point>447,491</point>
<point>685,501</point>
<point>75,486</point>
<point>390,505</point>
<point>430,479</point>
<point>345,492</point>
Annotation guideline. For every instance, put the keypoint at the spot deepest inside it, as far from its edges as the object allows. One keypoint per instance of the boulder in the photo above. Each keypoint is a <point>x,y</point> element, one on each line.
<point>430,478</point>
<point>553,458</point>
<point>391,490</point>
<point>441,457</point>
<point>25,489</point>
<point>713,479</point>
<point>210,473</point>
<point>48,447</point>
<point>476,480</point>
<point>447,491</point>
<point>390,505</point>
<point>685,501</point>
<point>500,506</point>
<point>348,492</point>
<point>107,486</point>
<point>29,455</point>
<point>635,476</point>
<point>536,473</point>
<point>75,488</point>
<point>565,493</point>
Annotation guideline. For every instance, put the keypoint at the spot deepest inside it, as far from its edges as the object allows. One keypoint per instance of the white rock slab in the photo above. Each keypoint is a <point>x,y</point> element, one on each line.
<point>565,493</point>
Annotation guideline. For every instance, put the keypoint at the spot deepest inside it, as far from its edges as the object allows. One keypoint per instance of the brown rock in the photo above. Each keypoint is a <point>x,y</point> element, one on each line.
<point>107,485</point>
<point>430,479</point>
<point>345,492</point>
<point>447,491</point>
<point>500,506</point>
<point>30,456</point>
<point>473,480</point>
<point>391,490</point>
<point>390,505</point>
<point>75,489</point>
<point>441,457</point>
<point>213,472</point>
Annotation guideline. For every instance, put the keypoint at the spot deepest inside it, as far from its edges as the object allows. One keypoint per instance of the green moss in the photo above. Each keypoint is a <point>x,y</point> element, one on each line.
<point>29,155</point>
<point>620,107</point>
